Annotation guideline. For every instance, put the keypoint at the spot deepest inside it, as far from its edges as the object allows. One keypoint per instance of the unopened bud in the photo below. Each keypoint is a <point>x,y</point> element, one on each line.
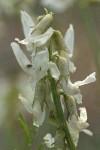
<point>59,42</point>
<point>43,24</point>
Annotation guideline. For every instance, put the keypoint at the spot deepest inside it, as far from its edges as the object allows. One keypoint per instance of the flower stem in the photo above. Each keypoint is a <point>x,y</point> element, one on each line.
<point>60,114</point>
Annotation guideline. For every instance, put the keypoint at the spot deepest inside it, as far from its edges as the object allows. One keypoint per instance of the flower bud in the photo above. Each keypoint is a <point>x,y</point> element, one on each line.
<point>41,93</point>
<point>43,24</point>
<point>71,106</point>
<point>60,140</point>
<point>63,66</point>
<point>59,42</point>
<point>53,119</point>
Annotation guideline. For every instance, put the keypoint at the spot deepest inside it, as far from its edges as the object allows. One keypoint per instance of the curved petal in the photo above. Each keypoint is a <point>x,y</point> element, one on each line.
<point>37,75</point>
<point>21,58</point>
<point>27,104</point>
<point>27,23</point>
<point>89,79</point>
<point>72,67</point>
<point>87,132</point>
<point>49,140</point>
<point>83,114</point>
<point>78,98</point>
<point>41,60</point>
<point>42,39</point>
<point>69,39</point>
<point>41,117</point>
<point>54,70</point>
<point>38,114</point>
<point>69,87</point>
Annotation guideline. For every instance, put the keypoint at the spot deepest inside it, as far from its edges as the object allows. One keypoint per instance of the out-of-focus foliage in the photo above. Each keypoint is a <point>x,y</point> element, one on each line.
<point>11,7</point>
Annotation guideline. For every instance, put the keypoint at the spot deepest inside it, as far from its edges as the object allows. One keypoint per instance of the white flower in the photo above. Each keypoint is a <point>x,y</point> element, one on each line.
<point>38,67</point>
<point>49,140</point>
<point>57,5</point>
<point>77,125</point>
<point>36,35</point>
<point>73,88</point>
<point>34,41</point>
<point>34,108</point>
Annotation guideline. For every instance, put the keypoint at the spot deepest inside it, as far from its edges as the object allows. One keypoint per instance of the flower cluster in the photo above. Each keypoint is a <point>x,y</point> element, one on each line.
<point>51,59</point>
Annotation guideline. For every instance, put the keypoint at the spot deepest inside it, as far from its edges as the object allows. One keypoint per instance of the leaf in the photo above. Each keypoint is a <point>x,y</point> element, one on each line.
<point>25,129</point>
<point>41,146</point>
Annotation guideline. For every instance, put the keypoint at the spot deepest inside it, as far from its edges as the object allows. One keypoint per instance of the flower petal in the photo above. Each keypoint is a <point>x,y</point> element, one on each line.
<point>41,39</point>
<point>27,104</point>
<point>69,87</point>
<point>83,114</point>
<point>69,39</point>
<point>54,70</point>
<point>72,67</point>
<point>89,79</point>
<point>78,98</point>
<point>27,23</point>
<point>87,132</point>
<point>49,140</point>
<point>21,58</point>
<point>41,60</point>
<point>40,118</point>
<point>38,114</point>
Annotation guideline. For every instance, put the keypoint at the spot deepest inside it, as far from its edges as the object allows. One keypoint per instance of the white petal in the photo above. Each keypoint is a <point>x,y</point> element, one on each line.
<point>40,40</point>
<point>83,114</point>
<point>74,129</point>
<point>21,58</point>
<point>78,98</point>
<point>69,87</point>
<point>38,114</point>
<point>49,140</point>
<point>35,124</point>
<point>27,22</point>
<point>37,75</point>
<point>74,123</point>
<point>69,39</point>
<point>41,117</point>
<point>27,104</point>
<point>25,41</point>
<point>87,132</point>
<point>54,70</point>
<point>72,67</point>
<point>89,79</point>
<point>41,60</point>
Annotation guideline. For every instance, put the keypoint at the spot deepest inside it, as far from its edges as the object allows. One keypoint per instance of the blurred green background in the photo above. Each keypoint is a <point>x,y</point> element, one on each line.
<point>85,17</point>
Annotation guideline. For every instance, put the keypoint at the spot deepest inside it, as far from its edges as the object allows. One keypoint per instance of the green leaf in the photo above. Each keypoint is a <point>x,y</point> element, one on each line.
<point>41,146</point>
<point>25,129</point>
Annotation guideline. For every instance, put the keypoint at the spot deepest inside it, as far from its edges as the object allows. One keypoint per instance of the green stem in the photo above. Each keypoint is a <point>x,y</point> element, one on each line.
<point>92,34</point>
<point>60,114</point>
